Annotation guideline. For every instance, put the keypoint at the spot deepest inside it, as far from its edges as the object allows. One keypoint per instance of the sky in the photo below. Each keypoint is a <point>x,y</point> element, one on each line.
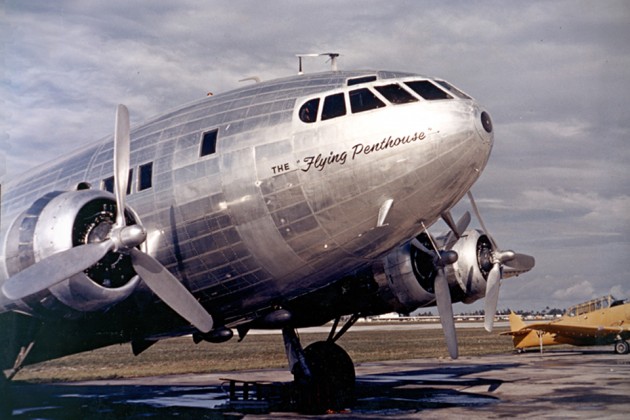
<point>554,75</point>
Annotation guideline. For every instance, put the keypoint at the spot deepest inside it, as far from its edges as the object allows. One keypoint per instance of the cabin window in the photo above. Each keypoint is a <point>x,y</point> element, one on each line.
<point>108,183</point>
<point>334,106</point>
<point>308,111</point>
<point>395,94</point>
<point>145,176</point>
<point>360,80</point>
<point>364,100</point>
<point>428,90</point>
<point>208,143</point>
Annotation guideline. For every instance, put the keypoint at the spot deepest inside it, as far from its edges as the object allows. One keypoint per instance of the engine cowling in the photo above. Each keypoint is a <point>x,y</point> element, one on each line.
<point>408,286</point>
<point>411,272</point>
<point>469,274</point>
<point>59,221</point>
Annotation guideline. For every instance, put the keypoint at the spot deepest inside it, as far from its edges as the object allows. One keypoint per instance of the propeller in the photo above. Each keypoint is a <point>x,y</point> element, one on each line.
<point>441,258</point>
<point>122,238</point>
<point>500,259</point>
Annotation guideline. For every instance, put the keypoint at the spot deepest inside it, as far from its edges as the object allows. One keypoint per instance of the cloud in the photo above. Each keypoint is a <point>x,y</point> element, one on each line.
<point>578,292</point>
<point>620,291</point>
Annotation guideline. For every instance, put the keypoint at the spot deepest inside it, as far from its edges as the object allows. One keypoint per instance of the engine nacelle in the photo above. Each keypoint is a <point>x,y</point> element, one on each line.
<point>409,287</point>
<point>410,272</point>
<point>470,272</point>
<point>59,221</point>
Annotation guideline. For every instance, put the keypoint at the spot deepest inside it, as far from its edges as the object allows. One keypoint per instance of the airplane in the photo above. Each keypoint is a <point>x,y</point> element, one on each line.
<point>597,322</point>
<point>282,204</point>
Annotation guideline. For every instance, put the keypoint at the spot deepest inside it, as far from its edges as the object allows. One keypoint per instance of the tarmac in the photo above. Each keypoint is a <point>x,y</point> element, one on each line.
<point>572,383</point>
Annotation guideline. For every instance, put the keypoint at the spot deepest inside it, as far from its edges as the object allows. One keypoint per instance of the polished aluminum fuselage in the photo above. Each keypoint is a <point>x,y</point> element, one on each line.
<point>283,207</point>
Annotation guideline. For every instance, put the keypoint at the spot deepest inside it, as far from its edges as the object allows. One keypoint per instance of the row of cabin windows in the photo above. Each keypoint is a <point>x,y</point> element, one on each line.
<point>364,99</point>
<point>145,179</point>
<point>145,172</point>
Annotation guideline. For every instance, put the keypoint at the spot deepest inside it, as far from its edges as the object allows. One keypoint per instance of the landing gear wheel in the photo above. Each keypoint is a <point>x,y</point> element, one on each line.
<point>332,381</point>
<point>621,347</point>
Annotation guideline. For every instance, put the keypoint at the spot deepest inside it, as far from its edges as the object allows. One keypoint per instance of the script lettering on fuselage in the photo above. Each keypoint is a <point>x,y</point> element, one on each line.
<point>320,161</point>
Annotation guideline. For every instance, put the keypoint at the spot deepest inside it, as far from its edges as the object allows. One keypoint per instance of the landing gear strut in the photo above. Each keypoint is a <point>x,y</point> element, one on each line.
<point>323,373</point>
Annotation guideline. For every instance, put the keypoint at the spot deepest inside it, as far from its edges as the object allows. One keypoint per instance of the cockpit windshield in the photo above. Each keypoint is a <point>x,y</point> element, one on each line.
<point>428,90</point>
<point>364,100</point>
<point>375,96</point>
<point>591,305</point>
<point>395,94</point>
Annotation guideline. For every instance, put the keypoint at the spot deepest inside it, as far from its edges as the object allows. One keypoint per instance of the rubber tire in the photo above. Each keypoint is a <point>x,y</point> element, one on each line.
<point>332,384</point>
<point>621,347</point>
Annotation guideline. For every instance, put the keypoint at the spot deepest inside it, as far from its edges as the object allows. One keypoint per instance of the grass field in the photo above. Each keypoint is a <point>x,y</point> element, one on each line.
<point>181,355</point>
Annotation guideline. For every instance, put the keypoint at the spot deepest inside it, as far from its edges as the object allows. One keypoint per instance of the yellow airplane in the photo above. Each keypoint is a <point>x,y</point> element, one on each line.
<point>596,322</point>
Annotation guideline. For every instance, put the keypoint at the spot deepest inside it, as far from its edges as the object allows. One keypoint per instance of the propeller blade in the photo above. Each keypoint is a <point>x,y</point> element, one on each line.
<point>457,230</point>
<point>521,262</point>
<point>492,296</point>
<point>448,219</point>
<point>445,310</point>
<point>121,161</point>
<point>442,293</point>
<point>170,290</point>
<point>463,222</point>
<point>416,243</point>
<point>54,269</point>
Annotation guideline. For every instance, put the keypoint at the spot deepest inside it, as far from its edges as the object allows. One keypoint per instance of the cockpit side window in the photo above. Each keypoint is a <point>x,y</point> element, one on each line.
<point>395,94</point>
<point>334,106</point>
<point>428,90</point>
<point>364,100</point>
<point>308,111</point>
<point>452,89</point>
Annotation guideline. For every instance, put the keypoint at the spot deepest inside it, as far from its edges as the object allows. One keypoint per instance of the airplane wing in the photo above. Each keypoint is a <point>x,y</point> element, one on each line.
<point>575,330</point>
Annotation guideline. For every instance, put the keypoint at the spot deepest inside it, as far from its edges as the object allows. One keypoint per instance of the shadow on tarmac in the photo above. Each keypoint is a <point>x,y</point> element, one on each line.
<point>389,394</point>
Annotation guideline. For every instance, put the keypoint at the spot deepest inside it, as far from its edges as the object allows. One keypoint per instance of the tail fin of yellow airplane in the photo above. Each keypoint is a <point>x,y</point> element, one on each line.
<point>521,335</point>
<point>516,322</point>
